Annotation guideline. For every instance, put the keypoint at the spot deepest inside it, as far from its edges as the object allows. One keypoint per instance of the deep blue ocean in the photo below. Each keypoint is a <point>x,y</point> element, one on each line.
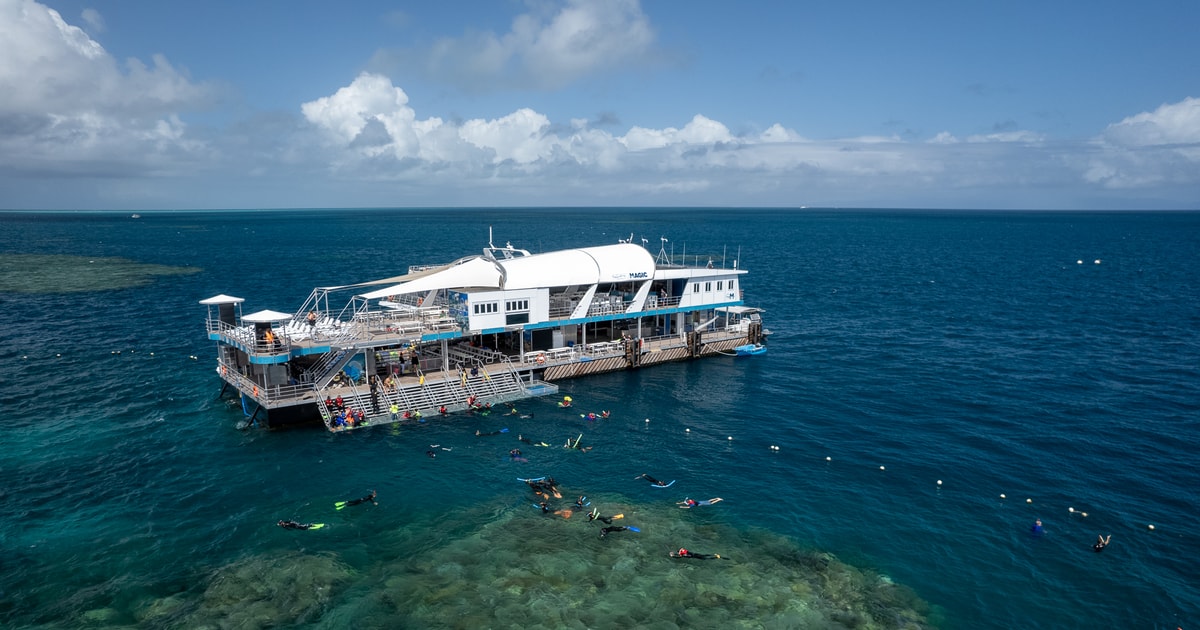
<point>923,365</point>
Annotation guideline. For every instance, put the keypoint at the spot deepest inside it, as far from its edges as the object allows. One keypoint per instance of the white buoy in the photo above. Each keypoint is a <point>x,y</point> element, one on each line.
<point>939,482</point>
<point>1002,496</point>
<point>1097,261</point>
<point>1071,510</point>
<point>687,430</point>
<point>1079,262</point>
<point>828,459</point>
<point>730,438</point>
<point>1029,500</point>
<point>1083,514</point>
<point>647,419</point>
<point>882,468</point>
<point>58,355</point>
<point>1151,527</point>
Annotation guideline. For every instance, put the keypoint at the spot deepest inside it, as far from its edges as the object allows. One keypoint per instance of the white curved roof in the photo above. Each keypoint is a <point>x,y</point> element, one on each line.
<point>587,266</point>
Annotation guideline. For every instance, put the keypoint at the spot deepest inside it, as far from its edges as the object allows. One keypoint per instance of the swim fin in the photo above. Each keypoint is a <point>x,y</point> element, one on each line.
<point>340,505</point>
<point>317,525</point>
<point>633,529</point>
<point>504,430</point>
<point>617,516</point>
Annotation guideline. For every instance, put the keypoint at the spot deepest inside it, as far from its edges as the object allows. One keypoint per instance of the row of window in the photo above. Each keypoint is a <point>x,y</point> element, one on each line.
<point>708,286</point>
<point>522,306</point>
<point>511,306</point>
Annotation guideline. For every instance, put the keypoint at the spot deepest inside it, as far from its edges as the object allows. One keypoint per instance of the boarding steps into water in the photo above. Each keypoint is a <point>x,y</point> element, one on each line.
<point>430,391</point>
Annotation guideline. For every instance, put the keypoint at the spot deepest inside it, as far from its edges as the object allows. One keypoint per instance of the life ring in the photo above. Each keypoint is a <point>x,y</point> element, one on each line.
<point>224,370</point>
<point>541,358</point>
<point>256,391</point>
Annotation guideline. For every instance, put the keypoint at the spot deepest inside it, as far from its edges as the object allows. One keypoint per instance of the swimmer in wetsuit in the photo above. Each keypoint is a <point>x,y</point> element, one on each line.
<point>1101,542</point>
<point>595,515</point>
<point>296,525</point>
<point>345,504</point>
<point>684,553</point>
<point>604,531</point>
<point>651,480</point>
<point>691,503</point>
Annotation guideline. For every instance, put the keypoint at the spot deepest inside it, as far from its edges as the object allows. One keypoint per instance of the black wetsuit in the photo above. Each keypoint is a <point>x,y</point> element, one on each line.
<point>603,519</point>
<point>294,525</point>
<point>652,480</point>
<point>615,528</point>
<point>698,556</point>
<point>369,497</point>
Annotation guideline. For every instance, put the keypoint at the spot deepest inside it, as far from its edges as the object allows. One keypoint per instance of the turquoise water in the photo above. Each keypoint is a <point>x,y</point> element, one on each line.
<point>969,348</point>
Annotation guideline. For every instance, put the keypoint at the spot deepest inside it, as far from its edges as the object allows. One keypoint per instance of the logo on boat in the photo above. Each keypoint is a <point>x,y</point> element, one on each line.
<point>639,274</point>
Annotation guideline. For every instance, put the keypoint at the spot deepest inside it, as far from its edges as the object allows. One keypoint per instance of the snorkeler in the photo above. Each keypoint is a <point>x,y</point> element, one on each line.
<point>479,433</point>
<point>604,531</point>
<point>544,487</point>
<point>581,502</point>
<point>344,504</point>
<point>296,525</point>
<point>653,481</point>
<point>595,515</point>
<point>544,506</point>
<point>1101,542</point>
<point>1036,529</point>
<point>574,444</point>
<point>691,503</point>
<point>684,553</point>
<point>531,442</point>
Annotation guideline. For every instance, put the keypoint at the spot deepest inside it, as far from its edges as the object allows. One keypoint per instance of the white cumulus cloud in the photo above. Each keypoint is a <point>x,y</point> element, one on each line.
<point>1172,123</point>
<point>1150,149</point>
<point>69,106</point>
<point>546,50</point>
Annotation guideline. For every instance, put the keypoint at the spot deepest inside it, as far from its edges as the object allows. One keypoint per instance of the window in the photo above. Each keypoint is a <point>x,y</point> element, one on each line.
<point>719,283</point>
<point>696,288</point>
<point>516,306</point>
<point>485,308</point>
<point>707,286</point>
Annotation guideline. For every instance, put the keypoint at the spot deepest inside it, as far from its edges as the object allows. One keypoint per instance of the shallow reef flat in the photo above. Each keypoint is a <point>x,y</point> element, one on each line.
<point>520,568</point>
<point>53,273</point>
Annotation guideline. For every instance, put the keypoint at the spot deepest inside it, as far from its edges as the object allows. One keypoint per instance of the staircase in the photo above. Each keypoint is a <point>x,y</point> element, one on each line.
<point>493,384</point>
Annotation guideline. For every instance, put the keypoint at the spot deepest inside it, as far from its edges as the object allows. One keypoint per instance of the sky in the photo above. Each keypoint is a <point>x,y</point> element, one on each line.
<point>144,105</point>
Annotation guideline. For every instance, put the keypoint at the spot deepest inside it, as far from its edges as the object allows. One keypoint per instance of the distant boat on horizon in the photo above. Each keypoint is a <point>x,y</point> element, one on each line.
<point>136,216</point>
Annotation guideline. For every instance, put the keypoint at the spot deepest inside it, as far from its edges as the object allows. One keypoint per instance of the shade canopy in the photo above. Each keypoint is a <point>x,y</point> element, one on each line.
<point>569,267</point>
<point>262,317</point>
<point>222,299</point>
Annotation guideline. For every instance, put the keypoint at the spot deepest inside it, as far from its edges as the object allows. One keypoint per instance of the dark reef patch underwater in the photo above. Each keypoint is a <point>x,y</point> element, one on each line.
<point>58,273</point>
<point>522,569</point>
